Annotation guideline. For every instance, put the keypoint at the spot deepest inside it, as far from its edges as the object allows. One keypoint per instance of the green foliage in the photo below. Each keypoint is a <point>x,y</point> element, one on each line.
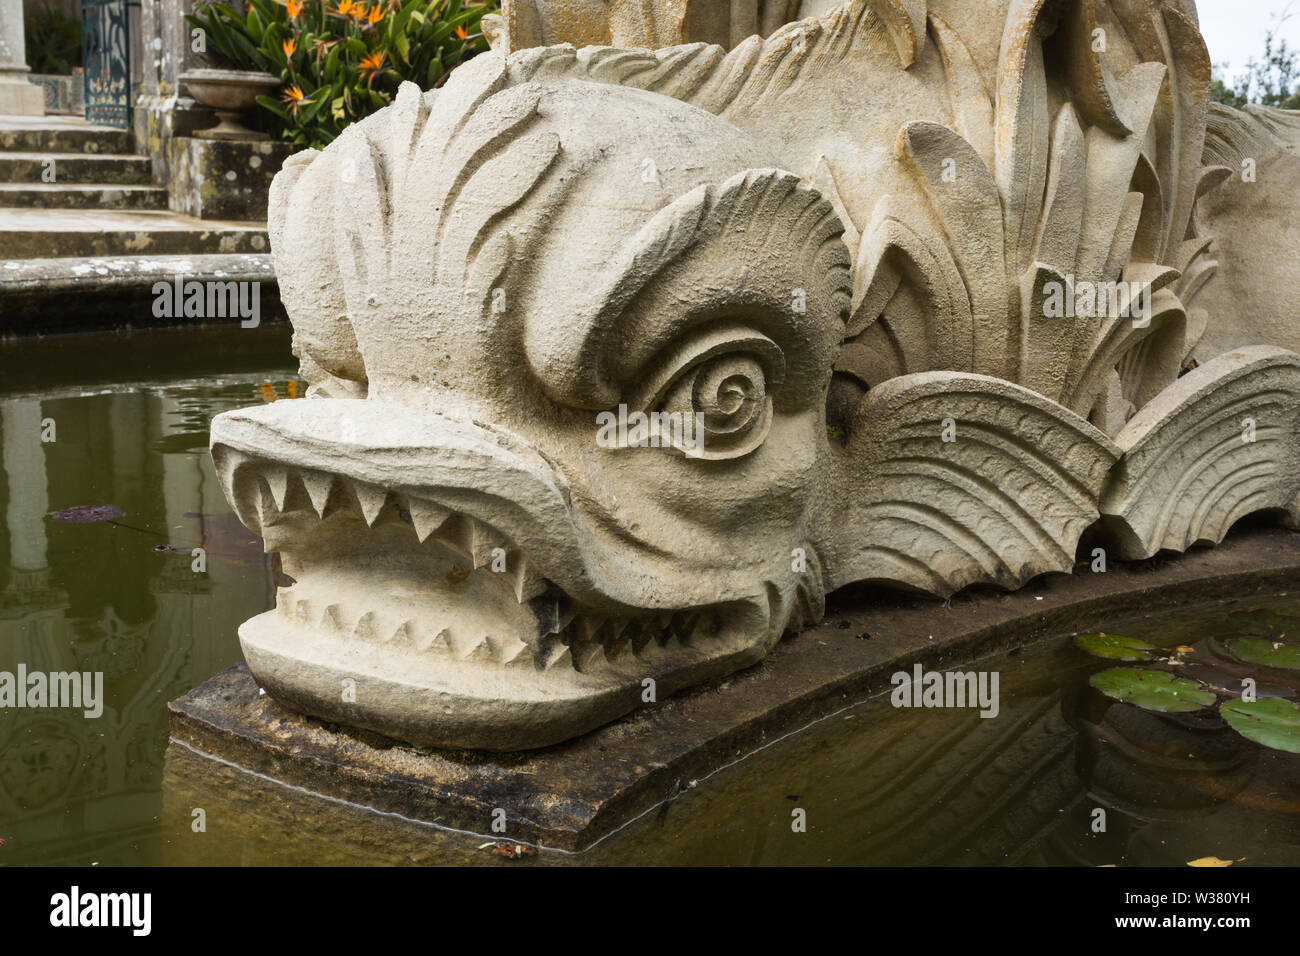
<point>1273,80</point>
<point>1266,653</point>
<point>340,61</point>
<point>53,41</point>
<point>1272,722</point>
<point>1152,690</point>
<point>1115,647</point>
<point>1261,640</point>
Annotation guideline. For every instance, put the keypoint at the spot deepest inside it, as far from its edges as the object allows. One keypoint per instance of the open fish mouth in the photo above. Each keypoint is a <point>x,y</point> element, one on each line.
<point>440,591</point>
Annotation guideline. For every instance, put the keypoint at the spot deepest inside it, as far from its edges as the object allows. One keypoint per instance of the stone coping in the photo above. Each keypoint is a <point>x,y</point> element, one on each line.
<point>92,294</point>
<point>570,795</point>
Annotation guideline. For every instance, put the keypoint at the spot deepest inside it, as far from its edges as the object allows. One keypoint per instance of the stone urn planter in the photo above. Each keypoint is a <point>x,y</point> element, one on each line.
<point>230,93</point>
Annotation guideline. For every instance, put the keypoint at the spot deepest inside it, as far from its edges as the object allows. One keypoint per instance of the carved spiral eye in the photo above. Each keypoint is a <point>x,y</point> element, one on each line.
<point>719,389</point>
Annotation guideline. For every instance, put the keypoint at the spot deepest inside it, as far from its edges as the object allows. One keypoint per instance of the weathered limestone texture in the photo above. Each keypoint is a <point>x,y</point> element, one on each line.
<point>1252,209</point>
<point>18,97</point>
<point>621,359</point>
<point>222,179</point>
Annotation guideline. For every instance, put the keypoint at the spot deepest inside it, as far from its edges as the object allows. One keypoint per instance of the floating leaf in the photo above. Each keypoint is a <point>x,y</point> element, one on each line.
<point>1114,647</point>
<point>1272,722</point>
<point>1260,650</point>
<point>85,514</point>
<point>1264,623</point>
<point>1213,861</point>
<point>1152,690</point>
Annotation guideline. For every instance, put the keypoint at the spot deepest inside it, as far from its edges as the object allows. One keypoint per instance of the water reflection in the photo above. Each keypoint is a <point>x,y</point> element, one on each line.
<point>123,599</point>
<point>878,785</point>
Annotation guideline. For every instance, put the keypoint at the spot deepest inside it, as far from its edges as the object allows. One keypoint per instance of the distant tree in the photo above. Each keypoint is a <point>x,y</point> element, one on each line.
<point>1273,80</point>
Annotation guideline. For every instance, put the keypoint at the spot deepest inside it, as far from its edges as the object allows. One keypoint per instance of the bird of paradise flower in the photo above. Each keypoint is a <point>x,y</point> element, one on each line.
<point>371,64</point>
<point>294,98</point>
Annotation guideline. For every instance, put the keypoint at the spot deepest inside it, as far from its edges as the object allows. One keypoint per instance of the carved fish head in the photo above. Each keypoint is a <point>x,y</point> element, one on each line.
<point>581,324</point>
<point>570,346</point>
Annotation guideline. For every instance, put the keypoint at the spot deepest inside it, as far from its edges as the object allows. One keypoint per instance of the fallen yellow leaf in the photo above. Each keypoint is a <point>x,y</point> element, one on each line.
<point>1213,861</point>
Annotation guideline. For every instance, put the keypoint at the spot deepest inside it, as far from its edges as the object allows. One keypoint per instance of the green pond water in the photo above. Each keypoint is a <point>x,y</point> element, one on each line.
<point>878,785</point>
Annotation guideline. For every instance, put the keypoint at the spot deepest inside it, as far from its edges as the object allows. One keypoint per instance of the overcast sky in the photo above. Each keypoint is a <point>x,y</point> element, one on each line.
<point>1234,29</point>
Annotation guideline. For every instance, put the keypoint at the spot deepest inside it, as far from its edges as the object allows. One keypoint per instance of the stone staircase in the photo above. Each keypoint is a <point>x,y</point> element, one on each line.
<point>74,250</point>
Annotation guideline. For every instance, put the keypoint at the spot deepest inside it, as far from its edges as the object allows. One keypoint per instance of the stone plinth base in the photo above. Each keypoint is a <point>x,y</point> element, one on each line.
<point>18,97</point>
<point>570,795</point>
<point>222,178</point>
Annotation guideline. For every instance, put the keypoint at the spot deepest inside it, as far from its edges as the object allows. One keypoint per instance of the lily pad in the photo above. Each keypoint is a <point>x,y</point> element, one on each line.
<point>1272,722</point>
<point>86,514</point>
<point>1264,623</point>
<point>1114,647</point>
<point>1260,650</point>
<point>1152,690</point>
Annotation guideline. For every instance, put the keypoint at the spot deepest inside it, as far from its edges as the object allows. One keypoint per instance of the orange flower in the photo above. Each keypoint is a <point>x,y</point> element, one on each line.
<point>293,98</point>
<point>294,8</point>
<point>290,46</point>
<point>376,14</point>
<point>347,8</point>
<point>372,63</point>
<point>461,31</point>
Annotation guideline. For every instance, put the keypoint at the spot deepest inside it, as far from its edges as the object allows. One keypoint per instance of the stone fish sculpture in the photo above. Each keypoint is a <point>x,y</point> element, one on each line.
<point>834,249</point>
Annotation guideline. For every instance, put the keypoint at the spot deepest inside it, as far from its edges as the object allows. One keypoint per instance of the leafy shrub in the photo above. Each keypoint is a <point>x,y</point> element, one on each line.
<point>340,60</point>
<point>53,41</point>
<point>1273,80</point>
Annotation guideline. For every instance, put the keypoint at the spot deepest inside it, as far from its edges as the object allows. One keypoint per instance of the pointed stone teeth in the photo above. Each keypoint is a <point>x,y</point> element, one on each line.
<point>284,602</point>
<point>441,643</point>
<point>563,658</point>
<point>402,635</point>
<point>242,488</point>
<point>586,645</point>
<point>552,652</point>
<point>437,643</point>
<point>554,615</point>
<point>683,626</point>
<point>642,635</point>
<point>588,626</point>
<point>227,462</point>
<point>527,585</point>
<point>365,628</point>
<point>517,654</point>
<point>481,652</point>
<point>371,499</point>
<point>333,617</point>
<point>427,518</point>
<point>586,653</point>
<point>277,479</point>
<point>319,486</point>
<point>484,540</point>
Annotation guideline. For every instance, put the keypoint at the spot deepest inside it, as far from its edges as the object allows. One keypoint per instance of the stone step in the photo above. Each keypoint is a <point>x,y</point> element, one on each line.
<point>89,196</point>
<point>62,233</point>
<point>80,168</point>
<point>101,140</point>
<point>59,296</point>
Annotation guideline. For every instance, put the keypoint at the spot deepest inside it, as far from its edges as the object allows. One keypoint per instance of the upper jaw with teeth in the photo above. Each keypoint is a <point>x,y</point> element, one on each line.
<point>414,579</point>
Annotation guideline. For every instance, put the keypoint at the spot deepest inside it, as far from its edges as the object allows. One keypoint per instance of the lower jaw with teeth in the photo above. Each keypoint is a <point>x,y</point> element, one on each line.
<point>408,638</point>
